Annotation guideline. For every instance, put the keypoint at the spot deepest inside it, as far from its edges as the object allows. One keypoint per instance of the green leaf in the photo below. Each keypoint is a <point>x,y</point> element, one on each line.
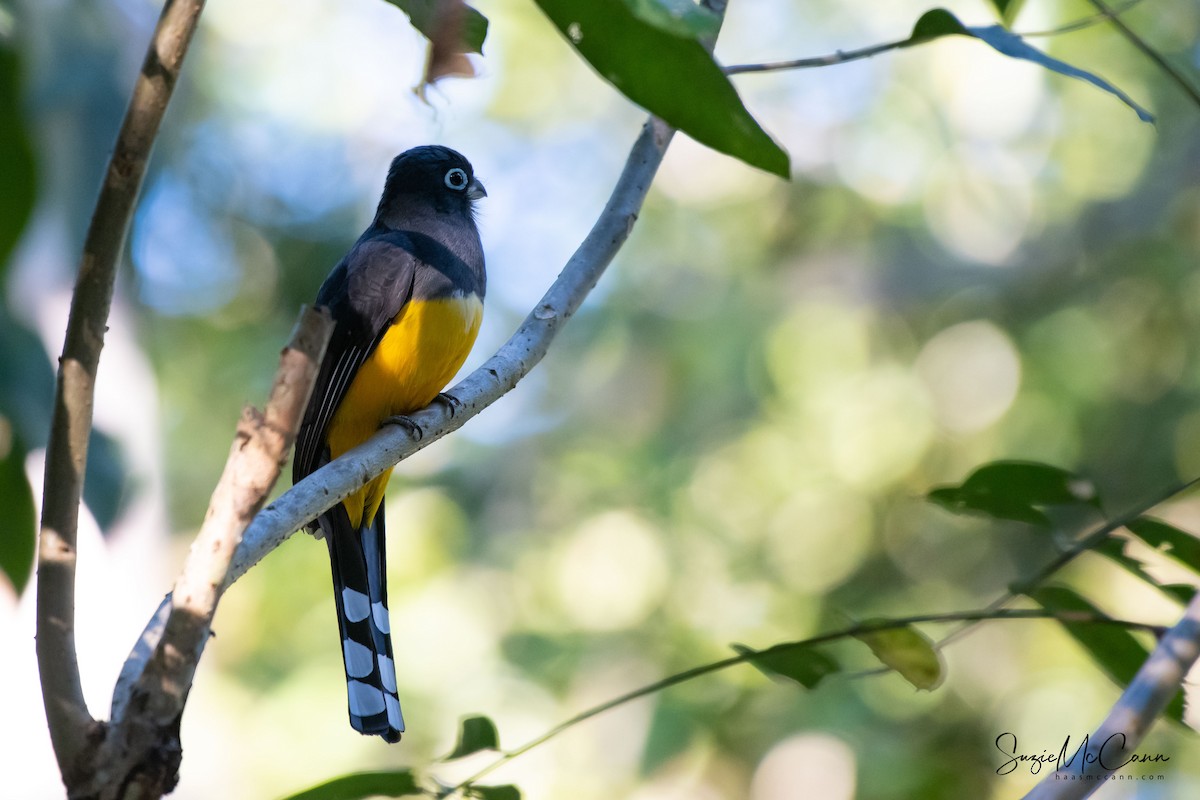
<point>672,729</point>
<point>939,22</point>
<point>506,792</point>
<point>1008,9</point>
<point>361,785</point>
<point>425,17</point>
<point>1182,592</point>
<point>1118,654</point>
<point>1015,490</point>
<point>106,490</point>
<point>669,75</point>
<point>677,17</point>
<point>18,541</point>
<point>935,23</point>
<point>907,651</point>
<point>474,734</point>
<point>804,665</point>
<point>18,181</point>
<point>1113,548</point>
<point>1171,541</point>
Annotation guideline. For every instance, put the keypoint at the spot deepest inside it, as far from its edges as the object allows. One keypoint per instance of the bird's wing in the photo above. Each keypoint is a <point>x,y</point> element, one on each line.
<point>364,293</point>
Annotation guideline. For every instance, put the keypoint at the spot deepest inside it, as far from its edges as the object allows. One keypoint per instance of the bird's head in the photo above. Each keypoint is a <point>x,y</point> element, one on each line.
<point>433,177</point>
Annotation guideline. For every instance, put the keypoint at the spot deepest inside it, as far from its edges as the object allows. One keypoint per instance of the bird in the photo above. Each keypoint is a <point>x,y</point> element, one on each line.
<point>407,303</point>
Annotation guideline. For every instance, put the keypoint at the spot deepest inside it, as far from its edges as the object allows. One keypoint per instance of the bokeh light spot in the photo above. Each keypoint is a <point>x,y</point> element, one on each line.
<point>612,572</point>
<point>806,766</point>
<point>972,372</point>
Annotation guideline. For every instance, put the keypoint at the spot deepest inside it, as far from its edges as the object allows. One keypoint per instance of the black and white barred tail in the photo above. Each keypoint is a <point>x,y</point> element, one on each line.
<point>358,559</point>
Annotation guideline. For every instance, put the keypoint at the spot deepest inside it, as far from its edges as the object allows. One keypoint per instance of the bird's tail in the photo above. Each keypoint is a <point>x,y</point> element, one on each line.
<point>360,588</point>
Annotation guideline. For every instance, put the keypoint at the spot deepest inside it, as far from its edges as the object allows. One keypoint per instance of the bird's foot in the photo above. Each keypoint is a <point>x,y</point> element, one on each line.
<point>452,403</point>
<point>407,423</point>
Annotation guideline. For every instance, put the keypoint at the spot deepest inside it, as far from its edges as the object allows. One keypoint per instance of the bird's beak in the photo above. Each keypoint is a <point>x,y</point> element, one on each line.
<point>476,191</point>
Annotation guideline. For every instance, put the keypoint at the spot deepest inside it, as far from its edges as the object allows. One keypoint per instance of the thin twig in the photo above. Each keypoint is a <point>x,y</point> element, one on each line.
<point>846,56</point>
<point>1084,22</point>
<point>141,747</point>
<point>853,631</point>
<point>66,452</point>
<point>1143,700</point>
<point>839,57</point>
<point>1159,60</point>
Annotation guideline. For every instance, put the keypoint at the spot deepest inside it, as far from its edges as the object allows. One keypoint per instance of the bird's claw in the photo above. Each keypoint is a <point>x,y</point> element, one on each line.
<point>452,403</point>
<point>407,423</point>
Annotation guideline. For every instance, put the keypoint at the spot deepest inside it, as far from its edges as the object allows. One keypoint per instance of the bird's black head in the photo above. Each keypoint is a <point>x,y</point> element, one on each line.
<point>430,177</point>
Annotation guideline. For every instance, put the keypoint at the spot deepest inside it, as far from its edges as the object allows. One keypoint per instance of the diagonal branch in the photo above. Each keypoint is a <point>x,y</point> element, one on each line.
<point>331,483</point>
<point>1140,705</point>
<point>1160,61</point>
<point>66,453</point>
<point>487,384</point>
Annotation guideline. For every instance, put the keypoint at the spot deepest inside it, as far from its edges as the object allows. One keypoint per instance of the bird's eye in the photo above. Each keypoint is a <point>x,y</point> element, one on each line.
<point>456,179</point>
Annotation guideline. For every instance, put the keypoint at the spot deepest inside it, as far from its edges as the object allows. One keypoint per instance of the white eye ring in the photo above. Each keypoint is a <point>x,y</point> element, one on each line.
<point>456,179</point>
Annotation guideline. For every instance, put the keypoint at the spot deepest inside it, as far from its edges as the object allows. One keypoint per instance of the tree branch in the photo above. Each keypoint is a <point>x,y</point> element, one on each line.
<point>140,754</point>
<point>487,384</point>
<point>1141,703</point>
<point>66,453</point>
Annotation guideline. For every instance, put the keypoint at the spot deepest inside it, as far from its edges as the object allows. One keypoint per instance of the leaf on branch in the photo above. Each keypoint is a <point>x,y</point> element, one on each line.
<point>939,22</point>
<point>1182,592</point>
<point>1169,540</point>
<point>1113,548</point>
<point>453,29</point>
<point>806,666</point>
<point>652,53</point>
<point>1118,654</point>
<point>1016,490</point>
<point>18,541</point>
<point>909,652</point>
<point>361,785</point>
<point>474,734</point>
<point>505,792</point>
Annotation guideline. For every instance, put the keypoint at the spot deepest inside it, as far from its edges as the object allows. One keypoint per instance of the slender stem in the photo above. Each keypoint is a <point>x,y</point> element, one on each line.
<point>840,57</point>
<point>1159,60</point>
<point>873,626</point>
<point>1084,22</point>
<point>846,56</point>
<point>66,453</point>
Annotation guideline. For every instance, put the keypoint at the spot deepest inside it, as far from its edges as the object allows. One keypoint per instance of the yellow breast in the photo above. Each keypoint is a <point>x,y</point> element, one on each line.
<point>423,349</point>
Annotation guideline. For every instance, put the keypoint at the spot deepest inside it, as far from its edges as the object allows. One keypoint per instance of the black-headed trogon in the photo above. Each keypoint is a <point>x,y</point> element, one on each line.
<point>406,301</point>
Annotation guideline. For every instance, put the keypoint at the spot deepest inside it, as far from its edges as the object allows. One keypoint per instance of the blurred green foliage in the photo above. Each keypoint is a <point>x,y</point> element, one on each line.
<point>974,261</point>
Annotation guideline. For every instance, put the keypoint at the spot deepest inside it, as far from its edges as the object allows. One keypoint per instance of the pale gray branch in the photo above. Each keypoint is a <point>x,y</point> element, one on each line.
<point>487,384</point>
<point>1140,705</point>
